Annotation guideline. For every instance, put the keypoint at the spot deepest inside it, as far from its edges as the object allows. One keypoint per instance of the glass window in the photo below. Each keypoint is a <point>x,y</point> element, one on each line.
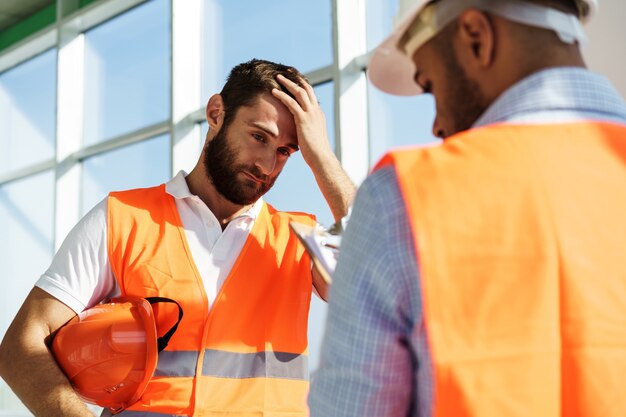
<point>142,164</point>
<point>297,33</point>
<point>27,112</point>
<point>398,121</point>
<point>380,15</point>
<point>325,96</point>
<point>127,72</point>
<point>26,245</point>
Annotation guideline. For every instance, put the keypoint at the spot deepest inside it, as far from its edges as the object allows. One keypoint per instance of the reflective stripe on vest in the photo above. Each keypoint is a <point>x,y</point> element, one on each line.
<point>520,233</point>
<point>223,364</point>
<point>245,356</point>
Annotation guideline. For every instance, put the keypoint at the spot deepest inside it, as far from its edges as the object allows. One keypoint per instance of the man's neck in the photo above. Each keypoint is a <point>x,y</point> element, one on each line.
<point>223,209</point>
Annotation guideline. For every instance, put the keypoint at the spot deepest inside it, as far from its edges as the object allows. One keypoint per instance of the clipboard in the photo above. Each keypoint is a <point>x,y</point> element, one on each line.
<point>322,246</point>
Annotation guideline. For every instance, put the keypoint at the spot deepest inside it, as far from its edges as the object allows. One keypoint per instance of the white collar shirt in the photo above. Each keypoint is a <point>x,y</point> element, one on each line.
<point>213,250</point>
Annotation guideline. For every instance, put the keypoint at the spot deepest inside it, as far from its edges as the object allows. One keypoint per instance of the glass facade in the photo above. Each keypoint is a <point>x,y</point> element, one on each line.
<point>65,145</point>
<point>127,72</point>
<point>138,165</point>
<point>26,232</point>
<point>27,112</point>
<point>297,33</point>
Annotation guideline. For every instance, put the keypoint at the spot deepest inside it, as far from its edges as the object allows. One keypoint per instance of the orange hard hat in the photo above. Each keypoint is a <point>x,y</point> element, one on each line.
<point>109,352</point>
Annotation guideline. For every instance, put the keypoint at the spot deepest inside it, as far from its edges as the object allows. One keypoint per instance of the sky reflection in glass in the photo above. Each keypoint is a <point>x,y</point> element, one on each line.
<point>142,164</point>
<point>296,33</point>
<point>127,72</point>
<point>27,112</point>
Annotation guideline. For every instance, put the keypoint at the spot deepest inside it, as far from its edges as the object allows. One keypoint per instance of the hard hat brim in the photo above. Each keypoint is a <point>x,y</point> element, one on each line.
<point>391,70</point>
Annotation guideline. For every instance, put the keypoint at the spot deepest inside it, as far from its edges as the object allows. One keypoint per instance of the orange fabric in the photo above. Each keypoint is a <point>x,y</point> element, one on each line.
<point>262,306</point>
<point>520,239</point>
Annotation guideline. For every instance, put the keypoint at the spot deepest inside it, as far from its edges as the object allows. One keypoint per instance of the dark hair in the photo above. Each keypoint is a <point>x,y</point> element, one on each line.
<point>250,79</point>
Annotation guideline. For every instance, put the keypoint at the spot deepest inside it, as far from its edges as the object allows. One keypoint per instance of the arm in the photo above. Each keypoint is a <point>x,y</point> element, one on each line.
<point>27,365</point>
<point>367,366</point>
<point>321,286</point>
<point>336,186</point>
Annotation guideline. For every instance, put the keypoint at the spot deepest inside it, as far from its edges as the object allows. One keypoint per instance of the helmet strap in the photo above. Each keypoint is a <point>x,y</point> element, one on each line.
<point>163,341</point>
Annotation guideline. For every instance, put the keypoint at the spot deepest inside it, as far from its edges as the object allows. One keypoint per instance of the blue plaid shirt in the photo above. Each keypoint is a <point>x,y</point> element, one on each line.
<point>375,359</point>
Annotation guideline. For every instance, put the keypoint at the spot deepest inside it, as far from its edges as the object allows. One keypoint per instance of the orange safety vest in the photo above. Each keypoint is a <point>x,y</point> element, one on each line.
<point>247,356</point>
<point>520,235</point>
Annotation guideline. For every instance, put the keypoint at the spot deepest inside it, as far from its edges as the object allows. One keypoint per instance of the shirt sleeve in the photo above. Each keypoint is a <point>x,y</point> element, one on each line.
<point>368,363</point>
<point>80,275</point>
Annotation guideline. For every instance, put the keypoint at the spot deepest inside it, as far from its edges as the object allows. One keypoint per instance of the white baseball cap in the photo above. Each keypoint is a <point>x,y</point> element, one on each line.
<point>392,69</point>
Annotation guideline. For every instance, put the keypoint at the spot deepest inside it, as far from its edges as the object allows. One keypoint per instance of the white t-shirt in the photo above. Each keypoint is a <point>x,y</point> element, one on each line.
<point>80,274</point>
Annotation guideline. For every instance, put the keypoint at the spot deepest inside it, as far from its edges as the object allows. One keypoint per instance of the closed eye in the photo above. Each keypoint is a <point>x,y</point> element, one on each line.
<point>285,152</point>
<point>426,87</point>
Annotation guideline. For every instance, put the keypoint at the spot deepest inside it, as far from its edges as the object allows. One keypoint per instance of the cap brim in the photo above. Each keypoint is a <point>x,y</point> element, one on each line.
<point>390,70</point>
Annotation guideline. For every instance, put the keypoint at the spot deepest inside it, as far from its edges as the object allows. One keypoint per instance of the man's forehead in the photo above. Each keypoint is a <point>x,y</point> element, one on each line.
<point>269,128</point>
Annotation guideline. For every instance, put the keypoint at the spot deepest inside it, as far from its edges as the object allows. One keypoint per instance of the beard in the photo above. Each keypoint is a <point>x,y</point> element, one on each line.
<point>464,100</point>
<point>220,162</point>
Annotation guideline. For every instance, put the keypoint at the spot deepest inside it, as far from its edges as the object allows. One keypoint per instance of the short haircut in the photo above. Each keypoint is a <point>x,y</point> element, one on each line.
<point>247,81</point>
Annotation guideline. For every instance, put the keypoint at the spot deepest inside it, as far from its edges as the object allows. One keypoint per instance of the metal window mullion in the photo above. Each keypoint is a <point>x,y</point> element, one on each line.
<point>321,75</point>
<point>32,169</point>
<point>186,82</point>
<point>139,135</point>
<point>28,48</point>
<point>96,13</point>
<point>70,103</point>
<point>350,88</point>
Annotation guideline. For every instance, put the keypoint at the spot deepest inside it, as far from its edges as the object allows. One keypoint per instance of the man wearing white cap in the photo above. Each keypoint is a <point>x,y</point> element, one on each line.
<point>485,276</point>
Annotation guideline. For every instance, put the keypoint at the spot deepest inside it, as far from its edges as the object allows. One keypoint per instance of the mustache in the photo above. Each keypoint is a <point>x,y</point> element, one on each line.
<point>257,173</point>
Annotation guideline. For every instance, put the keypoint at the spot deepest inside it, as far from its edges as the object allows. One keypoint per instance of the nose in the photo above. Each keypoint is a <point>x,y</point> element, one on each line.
<point>437,129</point>
<point>266,162</point>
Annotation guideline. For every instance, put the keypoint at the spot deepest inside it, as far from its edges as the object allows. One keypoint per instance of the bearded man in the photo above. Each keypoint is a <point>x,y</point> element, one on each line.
<point>208,241</point>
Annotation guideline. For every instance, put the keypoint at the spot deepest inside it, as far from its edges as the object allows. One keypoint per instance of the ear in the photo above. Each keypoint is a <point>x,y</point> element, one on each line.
<point>215,112</point>
<point>477,37</point>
